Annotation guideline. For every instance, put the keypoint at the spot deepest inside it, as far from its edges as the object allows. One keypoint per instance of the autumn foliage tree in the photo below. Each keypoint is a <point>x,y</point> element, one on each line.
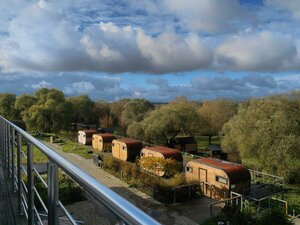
<point>160,166</point>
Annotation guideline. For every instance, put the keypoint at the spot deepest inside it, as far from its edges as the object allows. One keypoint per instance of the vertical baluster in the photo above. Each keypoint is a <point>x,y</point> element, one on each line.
<point>52,193</point>
<point>19,174</point>
<point>8,151</point>
<point>30,184</point>
<point>5,145</point>
<point>1,139</point>
<point>12,143</point>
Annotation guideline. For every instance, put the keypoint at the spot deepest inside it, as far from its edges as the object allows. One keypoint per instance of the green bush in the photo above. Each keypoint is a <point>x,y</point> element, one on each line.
<point>111,164</point>
<point>247,217</point>
<point>69,192</point>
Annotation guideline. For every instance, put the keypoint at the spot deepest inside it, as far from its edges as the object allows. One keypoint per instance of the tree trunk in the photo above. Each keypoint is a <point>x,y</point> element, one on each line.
<point>209,139</point>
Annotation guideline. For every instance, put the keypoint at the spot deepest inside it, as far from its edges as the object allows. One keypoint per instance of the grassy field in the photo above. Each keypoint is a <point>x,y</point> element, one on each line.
<point>293,197</point>
<point>73,147</point>
<point>202,141</point>
<point>38,156</point>
<point>65,144</point>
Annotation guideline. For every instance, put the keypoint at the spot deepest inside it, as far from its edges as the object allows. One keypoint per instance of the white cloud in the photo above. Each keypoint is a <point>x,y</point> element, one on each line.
<point>206,15</point>
<point>169,50</point>
<point>264,51</point>
<point>290,5</point>
<point>79,88</point>
<point>58,36</point>
<point>41,84</point>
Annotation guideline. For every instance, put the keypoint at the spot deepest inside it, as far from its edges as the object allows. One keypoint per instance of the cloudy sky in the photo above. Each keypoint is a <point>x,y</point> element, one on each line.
<point>154,49</point>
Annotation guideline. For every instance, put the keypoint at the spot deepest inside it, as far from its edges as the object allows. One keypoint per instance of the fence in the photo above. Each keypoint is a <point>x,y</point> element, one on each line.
<point>11,138</point>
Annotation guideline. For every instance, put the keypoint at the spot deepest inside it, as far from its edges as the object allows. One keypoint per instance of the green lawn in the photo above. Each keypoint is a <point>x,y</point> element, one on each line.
<point>293,197</point>
<point>38,156</point>
<point>202,141</point>
<point>79,149</point>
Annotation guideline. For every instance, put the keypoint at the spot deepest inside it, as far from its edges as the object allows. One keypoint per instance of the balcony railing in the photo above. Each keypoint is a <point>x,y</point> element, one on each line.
<point>23,175</point>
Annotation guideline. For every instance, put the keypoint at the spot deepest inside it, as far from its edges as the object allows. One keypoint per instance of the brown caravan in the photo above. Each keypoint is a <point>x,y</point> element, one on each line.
<point>162,152</point>
<point>217,177</point>
<point>126,149</point>
<point>102,142</point>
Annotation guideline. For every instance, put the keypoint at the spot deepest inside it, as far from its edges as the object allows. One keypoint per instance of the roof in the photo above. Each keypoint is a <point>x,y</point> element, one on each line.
<point>235,172</point>
<point>106,137</point>
<point>214,148</point>
<point>88,131</point>
<point>168,153</point>
<point>131,143</point>
<point>183,140</point>
<point>106,130</point>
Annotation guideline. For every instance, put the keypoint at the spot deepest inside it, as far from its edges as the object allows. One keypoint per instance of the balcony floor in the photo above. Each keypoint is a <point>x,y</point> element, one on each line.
<point>8,201</point>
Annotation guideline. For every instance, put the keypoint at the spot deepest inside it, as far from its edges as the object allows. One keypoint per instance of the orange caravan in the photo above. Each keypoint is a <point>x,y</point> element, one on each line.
<point>126,149</point>
<point>102,142</point>
<point>218,177</point>
<point>162,152</point>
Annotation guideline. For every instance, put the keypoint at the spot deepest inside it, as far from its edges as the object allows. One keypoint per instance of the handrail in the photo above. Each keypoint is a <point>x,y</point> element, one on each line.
<point>127,212</point>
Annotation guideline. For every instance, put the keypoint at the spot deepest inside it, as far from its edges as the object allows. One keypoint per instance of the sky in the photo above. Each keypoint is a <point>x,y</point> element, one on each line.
<point>153,49</point>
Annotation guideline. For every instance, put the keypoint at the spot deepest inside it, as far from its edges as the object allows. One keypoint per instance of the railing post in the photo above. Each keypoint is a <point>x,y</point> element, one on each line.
<point>5,145</point>
<point>12,143</point>
<point>1,139</point>
<point>19,174</point>
<point>30,184</point>
<point>52,193</point>
<point>8,151</point>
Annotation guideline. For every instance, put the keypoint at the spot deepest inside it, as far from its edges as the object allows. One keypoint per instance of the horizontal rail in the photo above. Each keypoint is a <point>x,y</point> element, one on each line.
<point>265,174</point>
<point>126,211</point>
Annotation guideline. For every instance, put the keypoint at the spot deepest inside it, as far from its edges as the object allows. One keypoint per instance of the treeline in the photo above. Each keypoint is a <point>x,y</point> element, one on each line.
<point>264,132</point>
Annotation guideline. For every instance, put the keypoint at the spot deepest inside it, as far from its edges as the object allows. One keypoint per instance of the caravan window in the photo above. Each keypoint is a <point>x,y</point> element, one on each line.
<point>222,180</point>
<point>124,148</point>
<point>189,169</point>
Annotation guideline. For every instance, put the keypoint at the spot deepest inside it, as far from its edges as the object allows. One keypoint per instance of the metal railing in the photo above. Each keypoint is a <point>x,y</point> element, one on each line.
<point>11,139</point>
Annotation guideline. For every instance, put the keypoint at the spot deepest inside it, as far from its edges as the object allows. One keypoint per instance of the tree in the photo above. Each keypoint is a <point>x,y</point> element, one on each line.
<point>135,111</point>
<point>37,118</point>
<point>7,106</point>
<point>83,109</point>
<point>24,102</point>
<point>116,109</point>
<point>102,112</point>
<point>47,111</point>
<point>214,114</point>
<point>160,166</point>
<point>266,132</point>
<point>177,117</point>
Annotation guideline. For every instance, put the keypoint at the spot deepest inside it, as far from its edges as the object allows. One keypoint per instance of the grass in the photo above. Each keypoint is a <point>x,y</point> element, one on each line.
<point>66,145</point>
<point>38,156</point>
<point>73,147</point>
<point>293,197</point>
<point>202,141</point>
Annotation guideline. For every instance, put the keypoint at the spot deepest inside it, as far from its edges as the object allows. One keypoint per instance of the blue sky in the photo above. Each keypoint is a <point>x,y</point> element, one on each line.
<point>154,49</point>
